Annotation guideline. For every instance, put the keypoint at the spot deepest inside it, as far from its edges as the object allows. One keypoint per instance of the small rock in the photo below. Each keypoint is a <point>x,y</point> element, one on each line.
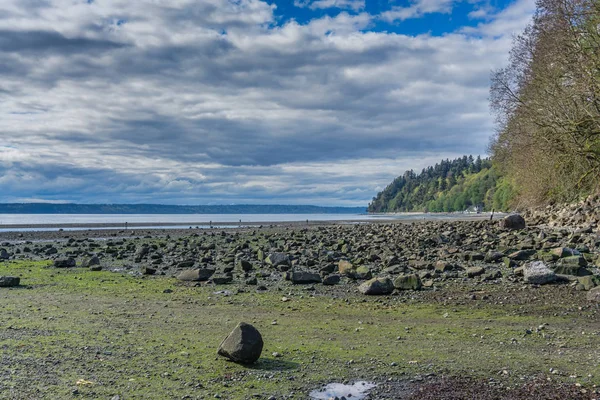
<point>65,263</point>
<point>521,255</point>
<point>408,282</point>
<point>222,279</point>
<point>4,254</point>
<point>245,265</point>
<point>148,271</point>
<point>9,281</point>
<point>443,266</point>
<point>472,272</point>
<point>594,294</point>
<point>587,282</point>
<point>303,277</point>
<point>494,256</point>
<point>89,262</point>
<point>331,280</point>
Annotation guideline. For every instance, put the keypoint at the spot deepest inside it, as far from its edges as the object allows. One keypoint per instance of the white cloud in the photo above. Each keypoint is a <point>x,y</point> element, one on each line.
<point>211,101</point>
<point>509,21</point>
<point>481,12</point>
<point>417,9</point>
<point>354,5</point>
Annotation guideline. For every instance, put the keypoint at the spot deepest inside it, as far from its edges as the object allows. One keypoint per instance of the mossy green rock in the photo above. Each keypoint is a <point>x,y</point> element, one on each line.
<point>346,268</point>
<point>278,260</point>
<point>547,257</point>
<point>573,270</point>
<point>509,263</point>
<point>408,282</point>
<point>587,282</point>
<point>362,272</point>
<point>573,261</point>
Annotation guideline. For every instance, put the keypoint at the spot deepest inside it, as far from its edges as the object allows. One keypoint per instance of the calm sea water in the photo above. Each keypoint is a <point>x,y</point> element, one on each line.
<point>87,221</point>
<point>58,219</point>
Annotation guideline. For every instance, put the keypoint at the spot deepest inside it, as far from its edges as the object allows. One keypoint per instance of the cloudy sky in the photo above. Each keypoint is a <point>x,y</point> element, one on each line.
<point>241,101</point>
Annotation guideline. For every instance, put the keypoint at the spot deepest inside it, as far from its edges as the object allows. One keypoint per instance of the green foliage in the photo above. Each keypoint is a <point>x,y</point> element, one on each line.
<point>458,185</point>
<point>547,105</point>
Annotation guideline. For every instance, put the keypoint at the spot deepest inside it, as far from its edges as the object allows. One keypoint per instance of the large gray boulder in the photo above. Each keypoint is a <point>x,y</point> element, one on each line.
<point>243,345</point>
<point>4,254</point>
<point>377,286</point>
<point>200,274</point>
<point>538,273</point>
<point>513,222</point>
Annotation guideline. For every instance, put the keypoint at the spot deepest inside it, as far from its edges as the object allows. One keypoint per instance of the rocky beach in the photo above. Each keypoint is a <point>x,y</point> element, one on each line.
<point>422,309</point>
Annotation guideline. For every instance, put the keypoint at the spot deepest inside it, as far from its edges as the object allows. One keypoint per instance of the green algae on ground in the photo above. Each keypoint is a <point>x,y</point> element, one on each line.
<point>74,333</point>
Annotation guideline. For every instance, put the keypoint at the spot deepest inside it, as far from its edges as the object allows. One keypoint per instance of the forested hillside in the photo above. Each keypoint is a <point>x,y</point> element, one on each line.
<point>457,185</point>
<point>547,104</point>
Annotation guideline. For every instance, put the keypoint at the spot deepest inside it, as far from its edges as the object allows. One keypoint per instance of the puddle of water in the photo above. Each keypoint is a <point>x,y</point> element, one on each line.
<point>223,292</point>
<point>358,391</point>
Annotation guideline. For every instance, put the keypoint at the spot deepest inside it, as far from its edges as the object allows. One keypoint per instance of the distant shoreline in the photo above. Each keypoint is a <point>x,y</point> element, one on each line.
<point>384,218</point>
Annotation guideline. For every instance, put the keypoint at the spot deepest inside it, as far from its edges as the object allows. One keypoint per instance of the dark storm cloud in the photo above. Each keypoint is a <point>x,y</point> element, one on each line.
<point>44,42</point>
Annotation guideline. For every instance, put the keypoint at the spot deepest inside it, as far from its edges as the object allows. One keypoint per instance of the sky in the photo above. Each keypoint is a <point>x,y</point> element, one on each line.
<point>318,102</point>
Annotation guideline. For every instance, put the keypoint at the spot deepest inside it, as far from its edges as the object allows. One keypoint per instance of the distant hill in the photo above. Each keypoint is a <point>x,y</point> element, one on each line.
<point>44,208</point>
<point>457,185</point>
